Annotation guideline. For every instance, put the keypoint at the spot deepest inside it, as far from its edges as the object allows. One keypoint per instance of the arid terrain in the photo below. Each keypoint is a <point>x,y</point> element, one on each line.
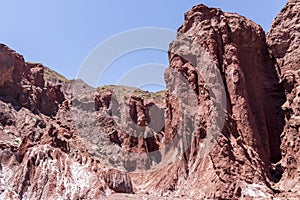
<point>226,127</point>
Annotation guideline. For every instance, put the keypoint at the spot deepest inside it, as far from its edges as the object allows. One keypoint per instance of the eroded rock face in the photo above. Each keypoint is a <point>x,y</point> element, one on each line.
<point>45,158</point>
<point>227,126</point>
<point>284,39</point>
<point>23,84</point>
<point>239,158</point>
<point>123,126</point>
<point>42,156</point>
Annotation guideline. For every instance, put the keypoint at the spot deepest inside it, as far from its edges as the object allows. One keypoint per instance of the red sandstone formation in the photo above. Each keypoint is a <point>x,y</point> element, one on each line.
<point>23,85</point>
<point>283,40</point>
<point>240,161</point>
<point>42,155</point>
<point>227,126</point>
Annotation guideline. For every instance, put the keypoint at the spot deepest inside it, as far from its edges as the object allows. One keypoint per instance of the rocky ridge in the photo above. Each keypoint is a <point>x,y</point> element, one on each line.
<point>42,156</point>
<point>236,136</point>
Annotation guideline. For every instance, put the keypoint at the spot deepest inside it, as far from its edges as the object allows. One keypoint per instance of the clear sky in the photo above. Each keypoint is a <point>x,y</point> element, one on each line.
<point>62,33</point>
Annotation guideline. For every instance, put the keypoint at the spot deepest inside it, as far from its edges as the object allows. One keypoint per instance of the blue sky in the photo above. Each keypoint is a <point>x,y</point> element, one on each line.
<point>62,33</point>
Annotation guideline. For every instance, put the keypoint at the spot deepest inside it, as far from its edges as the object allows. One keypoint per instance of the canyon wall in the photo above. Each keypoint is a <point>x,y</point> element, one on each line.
<point>42,156</point>
<point>283,39</point>
<point>227,126</point>
<point>222,75</point>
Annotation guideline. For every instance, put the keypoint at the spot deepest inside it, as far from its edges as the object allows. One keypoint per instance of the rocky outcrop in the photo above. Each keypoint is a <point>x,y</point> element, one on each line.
<point>122,125</point>
<point>23,84</point>
<point>42,156</point>
<point>223,95</point>
<point>284,39</point>
<point>227,126</point>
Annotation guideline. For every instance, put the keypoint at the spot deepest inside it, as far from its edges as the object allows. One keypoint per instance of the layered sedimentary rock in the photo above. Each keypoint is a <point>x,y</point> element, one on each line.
<point>227,155</point>
<point>284,39</point>
<point>42,156</point>
<point>122,125</point>
<point>227,126</point>
<point>23,85</point>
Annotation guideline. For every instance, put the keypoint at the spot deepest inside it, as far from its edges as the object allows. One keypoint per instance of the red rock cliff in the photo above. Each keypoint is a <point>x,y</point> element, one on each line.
<point>41,153</point>
<point>217,54</point>
<point>284,39</point>
<point>227,126</point>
